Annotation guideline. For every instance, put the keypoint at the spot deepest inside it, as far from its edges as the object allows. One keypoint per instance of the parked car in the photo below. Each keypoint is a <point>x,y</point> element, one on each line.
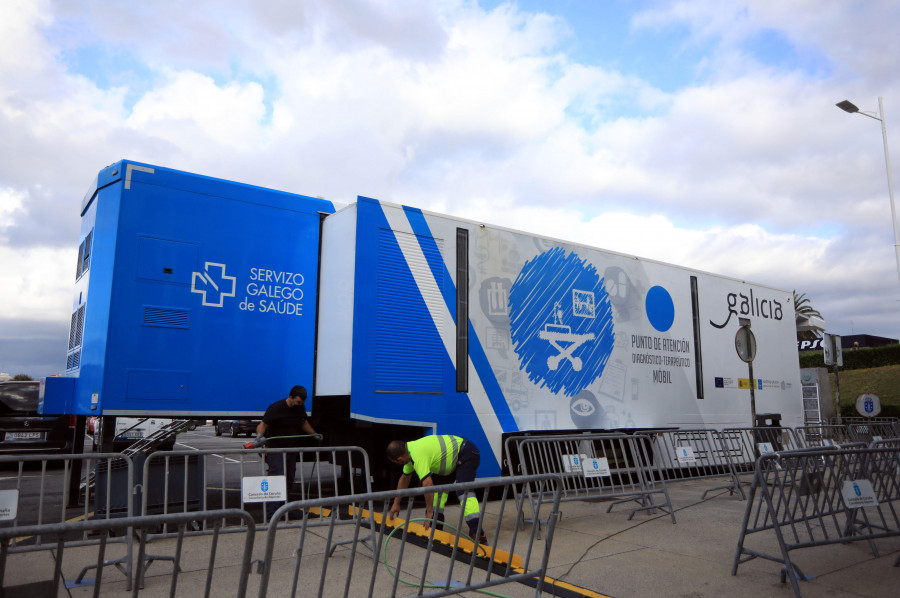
<point>130,430</point>
<point>23,430</point>
<point>236,427</point>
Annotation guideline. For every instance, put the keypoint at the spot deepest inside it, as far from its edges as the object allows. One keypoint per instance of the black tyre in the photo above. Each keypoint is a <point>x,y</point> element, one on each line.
<point>234,432</point>
<point>218,430</point>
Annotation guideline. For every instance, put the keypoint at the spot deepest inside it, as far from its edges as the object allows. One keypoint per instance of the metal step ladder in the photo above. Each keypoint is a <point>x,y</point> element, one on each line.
<point>150,443</point>
<point>145,446</point>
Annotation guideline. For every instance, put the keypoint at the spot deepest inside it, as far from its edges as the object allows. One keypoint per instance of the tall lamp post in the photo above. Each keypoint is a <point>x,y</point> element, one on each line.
<point>848,106</point>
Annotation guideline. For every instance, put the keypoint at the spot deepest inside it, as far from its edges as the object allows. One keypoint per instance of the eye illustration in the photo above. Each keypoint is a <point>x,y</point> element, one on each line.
<point>582,407</point>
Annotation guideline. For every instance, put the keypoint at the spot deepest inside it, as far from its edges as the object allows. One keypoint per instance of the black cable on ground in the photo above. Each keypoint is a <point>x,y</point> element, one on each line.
<point>550,587</point>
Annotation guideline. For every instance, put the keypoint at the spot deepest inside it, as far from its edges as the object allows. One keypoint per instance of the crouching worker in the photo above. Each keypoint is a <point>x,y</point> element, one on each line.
<point>439,460</point>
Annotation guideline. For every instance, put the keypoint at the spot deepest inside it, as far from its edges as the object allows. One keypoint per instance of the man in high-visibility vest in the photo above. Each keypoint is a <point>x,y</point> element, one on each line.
<point>446,458</point>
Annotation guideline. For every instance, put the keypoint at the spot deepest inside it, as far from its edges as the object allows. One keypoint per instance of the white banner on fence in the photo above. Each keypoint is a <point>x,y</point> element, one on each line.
<point>9,504</point>
<point>858,493</point>
<point>595,468</point>
<point>764,447</point>
<point>264,488</point>
<point>686,455</point>
<point>572,462</point>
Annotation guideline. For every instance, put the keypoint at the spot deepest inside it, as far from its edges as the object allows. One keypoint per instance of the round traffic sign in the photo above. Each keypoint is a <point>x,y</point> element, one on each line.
<point>745,344</point>
<point>868,405</point>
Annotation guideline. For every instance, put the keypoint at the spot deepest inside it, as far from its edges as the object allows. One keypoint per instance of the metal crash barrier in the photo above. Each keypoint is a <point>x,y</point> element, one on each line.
<point>820,434</point>
<point>183,481</point>
<point>37,489</point>
<point>819,497</point>
<point>889,426</point>
<point>745,445</point>
<point>398,555</point>
<point>679,455</point>
<point>867,431</point>
<point>53,576</point>
<point>187,481</point>
<point>594,466</point>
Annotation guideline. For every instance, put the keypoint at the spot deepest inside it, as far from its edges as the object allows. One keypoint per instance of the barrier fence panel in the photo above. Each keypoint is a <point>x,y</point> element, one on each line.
<point>893,422</point>
<point>404,557</point>
<point>818,497</point>
<point>886,443</point>
<point>594,466</point>
<point>745,445</point>
<point>55,574</point>
<point>820,434</point>
<point>35,493</point>
<point>689,455</point>
<point>188,481</point>
<point>867,431</point>
<point>184,481</point>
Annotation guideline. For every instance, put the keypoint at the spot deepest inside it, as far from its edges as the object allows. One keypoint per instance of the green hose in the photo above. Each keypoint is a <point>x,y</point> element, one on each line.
<point>427,585</point>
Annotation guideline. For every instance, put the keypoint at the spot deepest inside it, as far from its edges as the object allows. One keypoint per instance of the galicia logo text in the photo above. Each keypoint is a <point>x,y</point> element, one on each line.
<point>740,304</point>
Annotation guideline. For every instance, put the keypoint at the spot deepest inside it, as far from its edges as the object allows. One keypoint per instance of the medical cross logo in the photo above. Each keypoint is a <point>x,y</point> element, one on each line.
<point>561,322</point>
<point>213,284</point>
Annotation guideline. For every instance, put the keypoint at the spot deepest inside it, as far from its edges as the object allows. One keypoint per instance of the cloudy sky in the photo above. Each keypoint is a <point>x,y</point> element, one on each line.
<point>698,132</point>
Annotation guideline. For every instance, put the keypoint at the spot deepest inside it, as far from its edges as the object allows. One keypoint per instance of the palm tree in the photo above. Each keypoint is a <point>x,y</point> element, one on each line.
<point>803,312</point>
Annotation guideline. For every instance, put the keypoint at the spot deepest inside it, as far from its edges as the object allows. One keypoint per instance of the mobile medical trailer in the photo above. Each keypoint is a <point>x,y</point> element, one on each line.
<point>454,326</point>
<point>202,298</point>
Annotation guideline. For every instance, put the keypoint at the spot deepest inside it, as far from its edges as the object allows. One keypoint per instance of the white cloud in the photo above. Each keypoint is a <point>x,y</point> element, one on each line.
<point>190,110</point>
<point>37,283</point>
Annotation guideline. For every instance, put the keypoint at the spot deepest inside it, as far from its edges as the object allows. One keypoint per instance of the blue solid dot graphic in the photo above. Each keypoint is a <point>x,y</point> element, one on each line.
<point>660,308</point>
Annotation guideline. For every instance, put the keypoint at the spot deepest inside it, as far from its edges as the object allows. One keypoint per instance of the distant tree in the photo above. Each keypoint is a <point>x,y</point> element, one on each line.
<point>22,378</point>
<point>802,307</point>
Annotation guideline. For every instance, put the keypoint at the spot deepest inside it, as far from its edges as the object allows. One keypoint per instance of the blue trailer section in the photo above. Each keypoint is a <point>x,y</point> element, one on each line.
<point>405,351</point>
<point>194,296</point>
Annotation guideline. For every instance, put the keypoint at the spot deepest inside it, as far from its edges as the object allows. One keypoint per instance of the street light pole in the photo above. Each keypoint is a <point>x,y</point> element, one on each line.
<point>848,106</point>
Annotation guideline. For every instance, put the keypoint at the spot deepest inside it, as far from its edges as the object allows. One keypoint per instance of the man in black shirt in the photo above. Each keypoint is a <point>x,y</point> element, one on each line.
<point>284,421</point>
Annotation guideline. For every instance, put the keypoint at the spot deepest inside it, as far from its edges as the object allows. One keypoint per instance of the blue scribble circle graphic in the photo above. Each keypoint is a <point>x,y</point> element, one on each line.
<point>660,308</point>
<point>561,321</point>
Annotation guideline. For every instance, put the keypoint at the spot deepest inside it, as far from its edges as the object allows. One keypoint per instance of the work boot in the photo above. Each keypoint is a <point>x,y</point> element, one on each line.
<point>482,539</point>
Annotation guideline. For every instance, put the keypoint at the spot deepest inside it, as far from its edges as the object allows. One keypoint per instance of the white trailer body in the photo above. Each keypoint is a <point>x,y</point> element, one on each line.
<point>461,327</point>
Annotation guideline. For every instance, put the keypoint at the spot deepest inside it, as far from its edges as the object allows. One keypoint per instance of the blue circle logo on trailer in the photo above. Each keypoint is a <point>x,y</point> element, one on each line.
<point>660,308</point>
<point>561,321</point>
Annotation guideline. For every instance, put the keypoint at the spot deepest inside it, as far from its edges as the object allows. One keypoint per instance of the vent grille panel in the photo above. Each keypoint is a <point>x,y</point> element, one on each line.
<point>166,317</point>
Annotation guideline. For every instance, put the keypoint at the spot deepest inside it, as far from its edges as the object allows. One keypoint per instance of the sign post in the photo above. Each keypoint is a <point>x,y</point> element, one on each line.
<point>834,356</point>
